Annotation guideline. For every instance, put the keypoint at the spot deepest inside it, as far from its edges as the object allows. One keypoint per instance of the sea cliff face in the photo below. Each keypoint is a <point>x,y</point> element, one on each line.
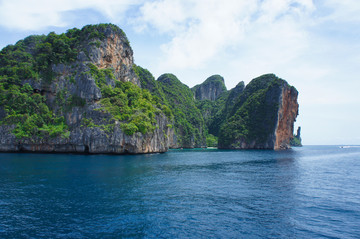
<point>81,92</point>
<point>85,93</point>
<point>262,117</point>
<point>91,140</point>
<point>114,52</point>
<point>287,114</point>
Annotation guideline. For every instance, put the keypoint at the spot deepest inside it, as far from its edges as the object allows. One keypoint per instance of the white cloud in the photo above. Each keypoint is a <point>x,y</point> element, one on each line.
<point>343,10</point>
<point>39,14</point>
<point>165,16</point>
<point>201,30</point>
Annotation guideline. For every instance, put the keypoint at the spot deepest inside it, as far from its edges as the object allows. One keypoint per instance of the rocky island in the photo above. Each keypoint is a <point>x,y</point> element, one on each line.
<point>80,92</point>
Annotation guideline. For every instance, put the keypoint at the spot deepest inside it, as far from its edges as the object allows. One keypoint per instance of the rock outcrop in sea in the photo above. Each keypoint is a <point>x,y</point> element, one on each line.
<point>75,91</point>
<point>296,140</point>
<point>262,117</point>
<point>80,92</point>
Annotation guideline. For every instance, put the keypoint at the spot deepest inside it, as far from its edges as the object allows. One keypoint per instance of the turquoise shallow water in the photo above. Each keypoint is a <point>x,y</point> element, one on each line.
<point>309,192</point>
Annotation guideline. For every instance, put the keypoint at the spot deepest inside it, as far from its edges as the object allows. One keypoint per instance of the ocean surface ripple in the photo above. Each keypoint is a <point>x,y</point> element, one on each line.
<point>308,192</point>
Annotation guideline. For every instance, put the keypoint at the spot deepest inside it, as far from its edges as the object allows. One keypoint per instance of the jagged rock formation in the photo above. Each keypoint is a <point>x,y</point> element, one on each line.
<point>298,134</point>
<point>210,89</point>
<point>80,92</point>
<point>210,96</point>
<point>83,83</point>
<point>262,117</point>
<point>296,141</point>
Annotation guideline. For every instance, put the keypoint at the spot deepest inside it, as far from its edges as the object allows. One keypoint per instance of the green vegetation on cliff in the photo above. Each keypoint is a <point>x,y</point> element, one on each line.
<point>253,117</point>
<point>210,89</point>
<point>177,102</point>
<point>52,84</point>
<point>296,140</point>
<point>212,112</point>
<point>148,82</point>
<point>189,123</point>
<point>133,106</point>
<point>30,114</point>
<point>223,106</point>
<point>33,58</point>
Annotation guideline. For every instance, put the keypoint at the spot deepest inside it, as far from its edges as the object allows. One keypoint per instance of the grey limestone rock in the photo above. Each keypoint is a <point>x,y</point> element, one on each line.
<point>75,83</point>
<point>210,89</point>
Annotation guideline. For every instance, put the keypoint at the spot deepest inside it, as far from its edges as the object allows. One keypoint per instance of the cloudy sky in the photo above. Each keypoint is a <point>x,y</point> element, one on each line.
<point>313,44</point>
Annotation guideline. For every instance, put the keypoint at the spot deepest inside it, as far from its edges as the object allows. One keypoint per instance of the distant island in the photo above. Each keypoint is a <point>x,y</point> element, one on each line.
<point>80,92</point>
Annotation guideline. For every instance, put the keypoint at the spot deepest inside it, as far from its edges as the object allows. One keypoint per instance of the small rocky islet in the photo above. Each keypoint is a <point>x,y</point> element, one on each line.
<point>80,92</point>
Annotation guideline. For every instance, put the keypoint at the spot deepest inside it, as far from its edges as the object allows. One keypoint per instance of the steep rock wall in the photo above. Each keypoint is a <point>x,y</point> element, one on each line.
<point>74,93</point>
<point>210,89</point>
<point>188,122</point>
<point>114,52</point>
<point>287,114</point>
<point>263,117</point>
<point>92,140</point>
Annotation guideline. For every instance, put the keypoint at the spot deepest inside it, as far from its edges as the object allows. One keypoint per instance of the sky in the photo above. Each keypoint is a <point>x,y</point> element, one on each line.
<point>313,44</point>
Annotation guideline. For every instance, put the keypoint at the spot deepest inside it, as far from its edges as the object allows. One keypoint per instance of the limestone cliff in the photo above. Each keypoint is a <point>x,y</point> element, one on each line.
<point>90,140</point>
<point>114,52</point>
<point>188,121</point>
<point>81,82</point>
<point>262,117</point>
<point>222,108</point>
<point>80,92</point>
<point>210,89</point>
<point>287,114</point>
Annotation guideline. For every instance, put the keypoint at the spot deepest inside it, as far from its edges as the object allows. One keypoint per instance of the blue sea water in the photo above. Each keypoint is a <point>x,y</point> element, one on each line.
<point>308,192</point>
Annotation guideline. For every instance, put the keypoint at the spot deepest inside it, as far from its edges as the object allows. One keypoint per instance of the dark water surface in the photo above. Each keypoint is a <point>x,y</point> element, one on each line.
<point>309,192</point>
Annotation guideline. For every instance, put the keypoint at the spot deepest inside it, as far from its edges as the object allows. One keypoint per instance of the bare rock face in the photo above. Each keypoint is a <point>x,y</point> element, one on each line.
<point>287,114</point>
<point>114,52</point>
